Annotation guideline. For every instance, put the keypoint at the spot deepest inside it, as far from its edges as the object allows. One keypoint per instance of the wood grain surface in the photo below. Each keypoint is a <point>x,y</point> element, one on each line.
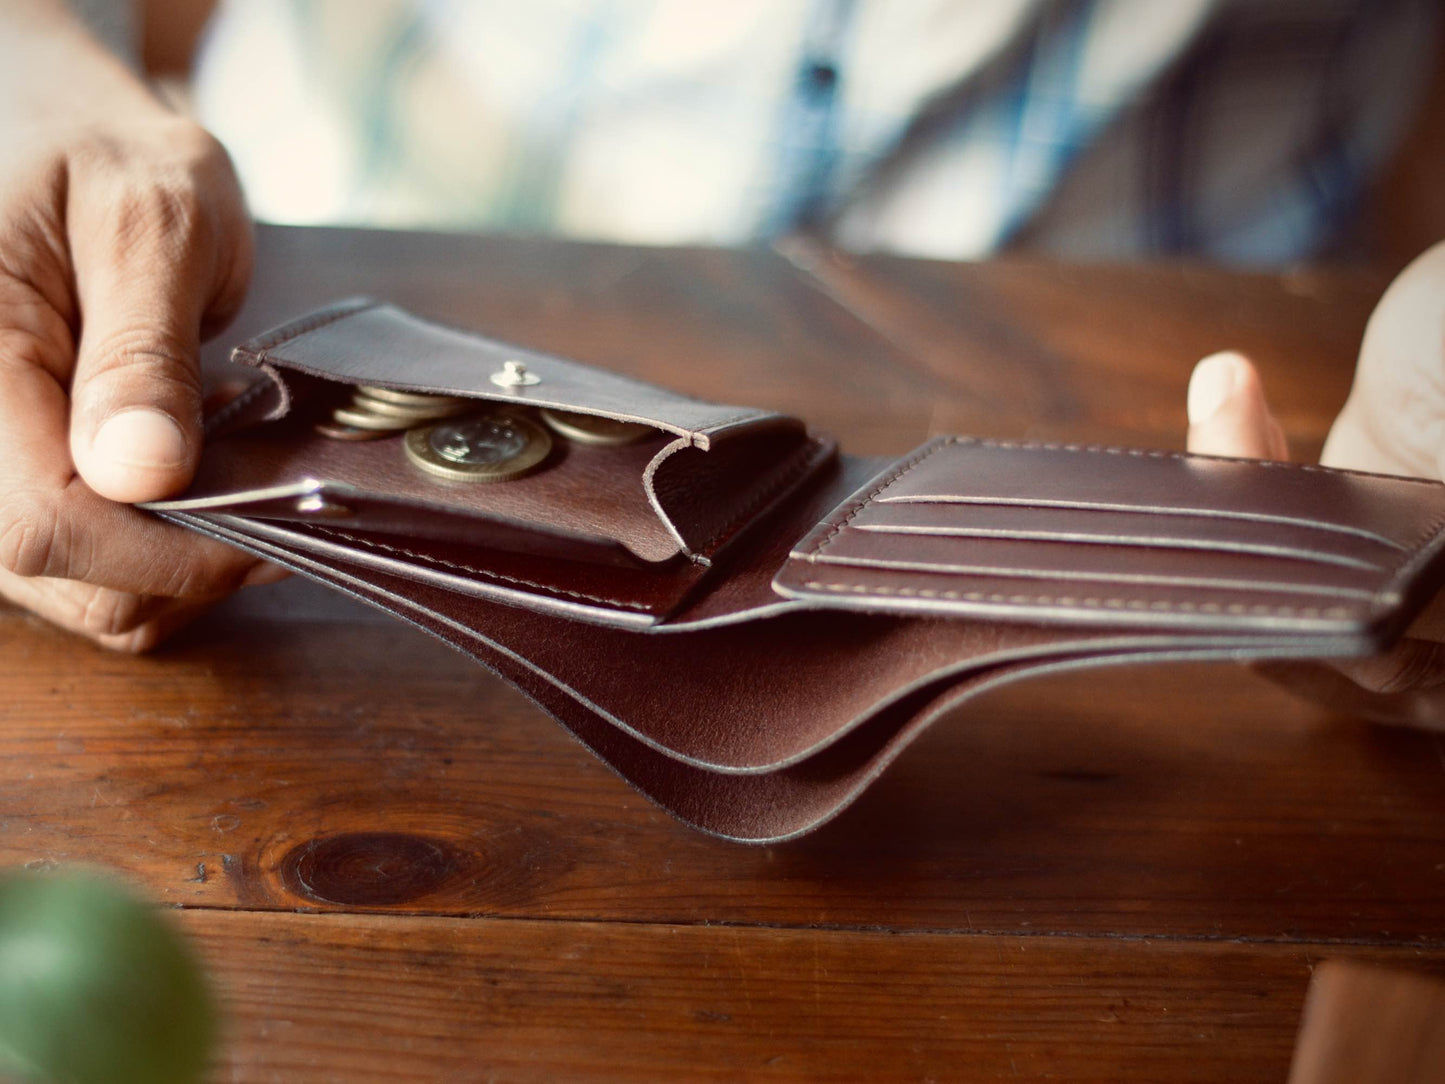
<point>400,870</point>
<point>373,998</point>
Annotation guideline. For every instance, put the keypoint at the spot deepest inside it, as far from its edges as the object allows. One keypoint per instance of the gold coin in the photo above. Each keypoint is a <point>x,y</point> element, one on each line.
<point>590,429</point>
<point>361,418</point>
<point>335,431</point>
<point>407,398</point>
<point>492,447</point>
<point>364,401</point>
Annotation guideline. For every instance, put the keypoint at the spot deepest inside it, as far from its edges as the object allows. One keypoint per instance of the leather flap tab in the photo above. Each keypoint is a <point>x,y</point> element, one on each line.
<point>362,341</point>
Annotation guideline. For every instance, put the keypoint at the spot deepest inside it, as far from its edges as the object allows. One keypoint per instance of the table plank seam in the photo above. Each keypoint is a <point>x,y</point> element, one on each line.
<point>1436,945</point>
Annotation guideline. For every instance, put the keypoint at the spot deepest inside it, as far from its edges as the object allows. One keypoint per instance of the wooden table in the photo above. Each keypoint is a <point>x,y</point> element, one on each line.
<point>399,869</point>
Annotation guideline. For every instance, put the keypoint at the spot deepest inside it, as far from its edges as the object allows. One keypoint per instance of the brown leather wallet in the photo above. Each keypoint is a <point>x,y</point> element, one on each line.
<point>749,627</point>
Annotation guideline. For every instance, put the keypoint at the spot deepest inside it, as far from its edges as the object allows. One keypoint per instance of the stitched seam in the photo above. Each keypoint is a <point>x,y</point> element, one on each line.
<point>1157,606</point>
<point>1150,453</point>
<point>369,544</point>
<point>859,503</point>
<point>1414,554</point>
<point>235,406</point>
<point>803,458</point>
<point>291,332</point>
<point>1412,557</point>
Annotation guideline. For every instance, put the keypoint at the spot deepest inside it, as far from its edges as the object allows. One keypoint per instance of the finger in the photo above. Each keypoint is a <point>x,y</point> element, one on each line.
<point>1407,666</point>
<point>53,525</point>
<point>150,263</point>
<point>73,534</point>
<point>118,619</point>
<point>1391,423</point>
<point>176,615</point>
<point>1228,414</point>
<point>70,606</point>
<point>80,607</point>
<point>1403,689</point>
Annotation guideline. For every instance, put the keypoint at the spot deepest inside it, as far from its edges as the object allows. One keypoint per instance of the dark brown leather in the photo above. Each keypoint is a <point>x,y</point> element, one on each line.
<point>749,628</point>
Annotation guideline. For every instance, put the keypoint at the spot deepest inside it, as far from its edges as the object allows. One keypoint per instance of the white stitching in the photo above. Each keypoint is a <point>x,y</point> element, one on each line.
<point>293,331</point>
<point>1071,602</point>
<point>236,405</point>
<point>782,481</point>
<point>370,544</point>
<point>1413,555</point>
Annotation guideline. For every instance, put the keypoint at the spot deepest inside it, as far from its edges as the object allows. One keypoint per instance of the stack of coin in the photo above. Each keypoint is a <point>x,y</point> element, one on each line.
<point>594,429</point>
<point>374,412</point>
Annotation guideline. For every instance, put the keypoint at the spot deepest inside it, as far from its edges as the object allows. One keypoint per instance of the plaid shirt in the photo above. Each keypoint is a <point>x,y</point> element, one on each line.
<point>1243,130</point>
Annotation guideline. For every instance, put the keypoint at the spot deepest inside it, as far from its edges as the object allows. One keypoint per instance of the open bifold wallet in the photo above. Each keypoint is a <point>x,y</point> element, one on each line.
<point>747,626</point>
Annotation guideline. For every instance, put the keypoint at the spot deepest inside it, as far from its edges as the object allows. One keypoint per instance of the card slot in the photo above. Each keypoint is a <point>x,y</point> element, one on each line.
<point>995,595</point>
<point>1046,559</point>
<point>1079,538</point>
<point>1247,491</point>
<point>1193,531</point>
<point>1224,514</point>
<point>1119,578</point>
<point>1072,535</point>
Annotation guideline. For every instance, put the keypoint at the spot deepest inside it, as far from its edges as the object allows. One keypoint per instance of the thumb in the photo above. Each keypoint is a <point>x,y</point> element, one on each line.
<point>1228,414</point>
<point>135,431</point>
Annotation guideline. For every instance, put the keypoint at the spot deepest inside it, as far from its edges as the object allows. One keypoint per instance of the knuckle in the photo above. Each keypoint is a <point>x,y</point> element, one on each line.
<point>136,641</point>
<point>31,534</point>
<point>198,149</point>
<point>111,613</point>
<point>157,182</point>
<point>34,249</point>
<point>156,357</point>
<point>167,211</point>
<point>32,338</point>
<point>1413,665</point>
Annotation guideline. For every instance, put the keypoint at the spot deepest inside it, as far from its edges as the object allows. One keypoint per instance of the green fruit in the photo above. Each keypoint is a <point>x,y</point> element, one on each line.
<point>96,987</point>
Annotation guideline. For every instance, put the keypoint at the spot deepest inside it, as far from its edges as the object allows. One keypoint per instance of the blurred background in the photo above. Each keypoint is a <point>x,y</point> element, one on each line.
<point>1248,132</point>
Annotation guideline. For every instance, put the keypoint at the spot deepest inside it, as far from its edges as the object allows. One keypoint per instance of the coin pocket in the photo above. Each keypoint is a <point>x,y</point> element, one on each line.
<point>375,421</point>
<point>584,502</point>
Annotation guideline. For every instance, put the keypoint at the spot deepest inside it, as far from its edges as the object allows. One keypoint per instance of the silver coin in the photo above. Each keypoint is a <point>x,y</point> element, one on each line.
<point>591,429</point>
<point>492,447</point>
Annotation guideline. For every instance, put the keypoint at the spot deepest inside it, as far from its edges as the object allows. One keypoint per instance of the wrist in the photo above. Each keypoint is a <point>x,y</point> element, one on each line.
<point>54,74</point>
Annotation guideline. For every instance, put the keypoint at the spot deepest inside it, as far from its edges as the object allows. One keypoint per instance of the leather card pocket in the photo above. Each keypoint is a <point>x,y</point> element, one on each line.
<point>1096,535</point>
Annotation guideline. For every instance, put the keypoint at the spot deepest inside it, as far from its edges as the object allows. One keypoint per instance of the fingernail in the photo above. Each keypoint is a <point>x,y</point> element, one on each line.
<point>1211,385</point>
<point>141,437</point>
<point>264,573</point>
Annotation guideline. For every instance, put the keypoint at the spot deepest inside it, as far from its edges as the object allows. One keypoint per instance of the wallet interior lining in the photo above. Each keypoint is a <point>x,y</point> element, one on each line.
<point>581,492</point>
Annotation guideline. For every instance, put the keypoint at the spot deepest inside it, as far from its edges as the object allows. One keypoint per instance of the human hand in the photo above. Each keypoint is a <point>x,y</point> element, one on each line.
<point>1392,423</point>
<point>123,238</point>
